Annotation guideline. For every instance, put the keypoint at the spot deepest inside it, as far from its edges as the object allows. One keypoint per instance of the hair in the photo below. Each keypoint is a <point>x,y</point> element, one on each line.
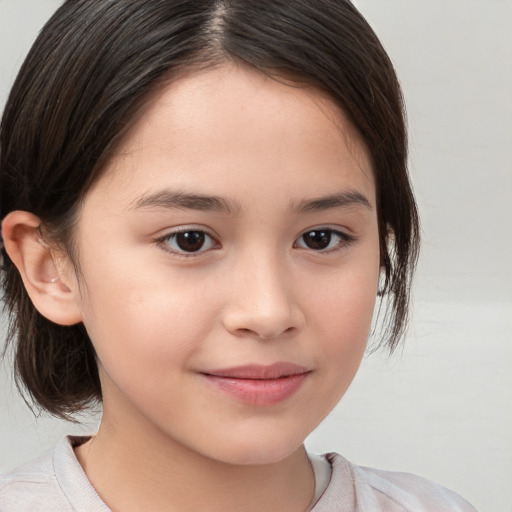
<point>91,71</point>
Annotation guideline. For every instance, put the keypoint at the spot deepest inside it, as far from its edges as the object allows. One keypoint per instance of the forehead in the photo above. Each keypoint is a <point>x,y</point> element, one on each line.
<point>231,125</point>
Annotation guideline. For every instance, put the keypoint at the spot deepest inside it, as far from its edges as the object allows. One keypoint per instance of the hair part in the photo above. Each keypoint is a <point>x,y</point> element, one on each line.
<point>87,77</point>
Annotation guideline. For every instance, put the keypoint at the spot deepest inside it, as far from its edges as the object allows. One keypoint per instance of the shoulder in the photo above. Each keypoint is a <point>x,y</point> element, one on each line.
<point>31,486</point>
<point>54,481</point>
<point>376,489</point>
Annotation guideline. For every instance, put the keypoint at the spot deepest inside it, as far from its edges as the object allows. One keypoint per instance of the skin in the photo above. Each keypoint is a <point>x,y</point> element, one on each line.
<point>254,293</point>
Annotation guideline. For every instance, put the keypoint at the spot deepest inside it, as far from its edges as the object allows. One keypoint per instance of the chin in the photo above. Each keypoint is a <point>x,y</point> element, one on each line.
<point>255,451</point>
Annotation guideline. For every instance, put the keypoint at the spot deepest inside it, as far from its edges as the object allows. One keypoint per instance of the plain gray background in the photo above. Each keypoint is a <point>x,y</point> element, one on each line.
<point>442,407</point>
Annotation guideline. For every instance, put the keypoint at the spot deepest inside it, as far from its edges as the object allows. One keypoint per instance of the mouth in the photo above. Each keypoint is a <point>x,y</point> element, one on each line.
<point>259,385</point>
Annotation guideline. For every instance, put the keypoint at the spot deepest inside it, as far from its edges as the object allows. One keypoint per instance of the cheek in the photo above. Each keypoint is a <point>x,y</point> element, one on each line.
<point>344,300</point>
<point>138,321</point>
<point>339,320</point>
<point>341,313</point>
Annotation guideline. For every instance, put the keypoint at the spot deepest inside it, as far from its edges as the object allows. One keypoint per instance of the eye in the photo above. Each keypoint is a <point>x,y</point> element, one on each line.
<point>188,241</point>
<point>323,239</point>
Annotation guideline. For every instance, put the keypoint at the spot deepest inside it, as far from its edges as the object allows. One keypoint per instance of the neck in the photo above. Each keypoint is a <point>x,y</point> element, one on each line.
<point>132,471</point>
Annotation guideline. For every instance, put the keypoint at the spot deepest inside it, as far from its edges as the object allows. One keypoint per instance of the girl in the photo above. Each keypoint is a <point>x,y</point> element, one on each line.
<point>201,202</point>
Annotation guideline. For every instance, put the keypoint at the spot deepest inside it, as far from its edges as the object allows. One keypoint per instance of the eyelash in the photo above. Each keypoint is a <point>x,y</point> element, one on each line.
<point>164,242</point>
<point>344,240</point>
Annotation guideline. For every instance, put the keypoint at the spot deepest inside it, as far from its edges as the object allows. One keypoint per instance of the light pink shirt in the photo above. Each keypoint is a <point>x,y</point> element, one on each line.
<point>56,482</point>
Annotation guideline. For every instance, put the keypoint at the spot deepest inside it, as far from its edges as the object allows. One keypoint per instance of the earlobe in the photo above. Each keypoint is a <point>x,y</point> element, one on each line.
<point>51,289</point>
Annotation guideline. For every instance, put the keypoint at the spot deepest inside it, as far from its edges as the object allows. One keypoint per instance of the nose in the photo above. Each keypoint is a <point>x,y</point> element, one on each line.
<point>262,301</point>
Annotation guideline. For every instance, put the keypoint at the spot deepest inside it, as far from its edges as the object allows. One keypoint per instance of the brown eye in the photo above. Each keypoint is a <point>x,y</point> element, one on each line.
<point>317,240</point>
<point>323,239</point>
<point>191,241</point>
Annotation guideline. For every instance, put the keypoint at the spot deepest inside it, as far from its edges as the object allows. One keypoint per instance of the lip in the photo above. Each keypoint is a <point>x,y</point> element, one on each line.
<point>260,385</point>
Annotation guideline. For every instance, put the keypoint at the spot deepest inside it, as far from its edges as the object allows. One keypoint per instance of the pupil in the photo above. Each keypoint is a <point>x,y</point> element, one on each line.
<point>190,241</point>
<point>317,239</point>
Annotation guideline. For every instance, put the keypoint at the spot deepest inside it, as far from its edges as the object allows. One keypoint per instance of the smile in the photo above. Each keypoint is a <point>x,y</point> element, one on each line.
<point>259,385</point>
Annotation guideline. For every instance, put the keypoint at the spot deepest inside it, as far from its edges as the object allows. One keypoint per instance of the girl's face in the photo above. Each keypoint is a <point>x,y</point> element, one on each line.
<point>230,261</point>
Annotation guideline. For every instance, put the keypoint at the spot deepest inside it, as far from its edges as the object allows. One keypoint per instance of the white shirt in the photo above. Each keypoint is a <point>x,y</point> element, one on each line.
<point>56,482</point>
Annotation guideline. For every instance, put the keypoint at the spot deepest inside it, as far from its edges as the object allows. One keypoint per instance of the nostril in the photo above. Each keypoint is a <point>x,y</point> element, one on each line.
<point>265,336</point>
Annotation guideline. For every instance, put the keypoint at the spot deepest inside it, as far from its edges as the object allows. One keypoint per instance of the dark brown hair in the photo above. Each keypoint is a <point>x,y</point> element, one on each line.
<point>88,74</point>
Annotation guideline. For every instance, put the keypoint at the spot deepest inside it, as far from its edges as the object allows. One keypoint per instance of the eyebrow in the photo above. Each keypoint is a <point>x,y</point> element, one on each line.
<point>187,201</point>
<point>339,200</point>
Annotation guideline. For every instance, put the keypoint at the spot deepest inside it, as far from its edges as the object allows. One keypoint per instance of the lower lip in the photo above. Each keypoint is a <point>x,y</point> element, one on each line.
<point>258,392</point>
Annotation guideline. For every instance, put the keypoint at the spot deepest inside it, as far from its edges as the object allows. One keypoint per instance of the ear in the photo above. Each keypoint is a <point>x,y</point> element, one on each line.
<point>46,273</point>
